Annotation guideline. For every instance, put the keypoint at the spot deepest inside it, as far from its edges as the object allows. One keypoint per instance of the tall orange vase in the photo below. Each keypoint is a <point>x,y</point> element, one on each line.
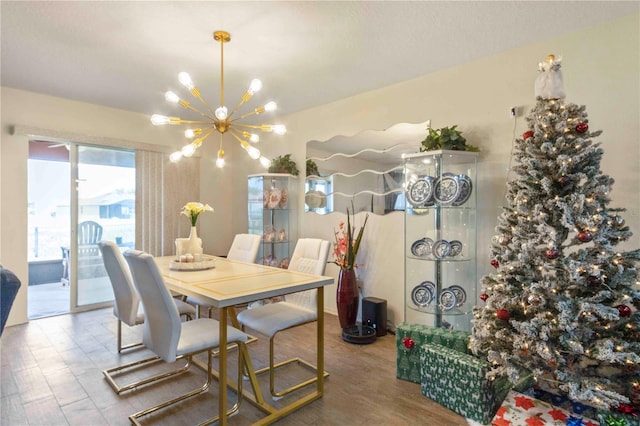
<point>347,298</point>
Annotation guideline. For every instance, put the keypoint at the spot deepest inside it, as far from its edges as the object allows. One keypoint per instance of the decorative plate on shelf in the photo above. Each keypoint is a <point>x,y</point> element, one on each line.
<point>284,198</point>
<point>461,295</point>
<point>447,299</point>
<point>421,296</point>
<point>446,189</point>
<point>465,190</point>
<point>265,198</point>
<point>275,196</point>
<point>455,248</point>
<point>441,249</point>
<point>420,248</point>
<point>420,191</point>
<point>431,286</point>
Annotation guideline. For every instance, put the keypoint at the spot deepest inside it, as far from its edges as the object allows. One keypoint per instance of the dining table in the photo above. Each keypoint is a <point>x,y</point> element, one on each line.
<point>225,284</point>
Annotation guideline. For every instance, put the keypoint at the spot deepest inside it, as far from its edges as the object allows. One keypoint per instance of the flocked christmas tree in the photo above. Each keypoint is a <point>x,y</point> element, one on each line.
<point>562,301</point>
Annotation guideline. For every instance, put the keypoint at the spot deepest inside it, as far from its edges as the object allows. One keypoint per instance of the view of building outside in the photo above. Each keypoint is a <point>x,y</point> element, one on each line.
<point>107,196</point>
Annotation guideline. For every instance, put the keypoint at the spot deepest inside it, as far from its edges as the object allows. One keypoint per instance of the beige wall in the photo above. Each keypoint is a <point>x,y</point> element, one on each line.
<point>601,68</point>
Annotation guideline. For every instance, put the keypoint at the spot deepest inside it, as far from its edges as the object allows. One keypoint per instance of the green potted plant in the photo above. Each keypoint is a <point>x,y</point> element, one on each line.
<point>446,138</point>
<point>284,164</point>
<point>312,168</point>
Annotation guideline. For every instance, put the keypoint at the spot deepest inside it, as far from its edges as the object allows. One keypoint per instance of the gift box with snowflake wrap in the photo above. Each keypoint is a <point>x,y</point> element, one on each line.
<point>458,381</point>
<point>409,338</point>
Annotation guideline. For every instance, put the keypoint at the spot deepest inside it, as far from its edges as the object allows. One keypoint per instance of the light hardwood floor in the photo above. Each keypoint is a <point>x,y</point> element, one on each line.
<point>51,372</point>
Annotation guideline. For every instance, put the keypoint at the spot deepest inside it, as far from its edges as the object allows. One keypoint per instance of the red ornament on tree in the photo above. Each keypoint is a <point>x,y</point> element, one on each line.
<point>527,135</point>
<point>494,263</point>
<point>582,127</point>
<point>585,236</point>
<point>484,297</point>
<point>563,180</point>
<point>503,314</point>
<point>551,254</point>
<point>408,342</point>
<point>624,310</point>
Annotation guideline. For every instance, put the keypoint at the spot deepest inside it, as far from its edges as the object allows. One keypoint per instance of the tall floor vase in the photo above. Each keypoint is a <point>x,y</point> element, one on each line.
<point>347,298</point>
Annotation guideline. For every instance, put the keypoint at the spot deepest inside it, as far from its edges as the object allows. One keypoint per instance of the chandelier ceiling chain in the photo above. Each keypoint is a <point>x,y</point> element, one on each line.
<point>219,120</point>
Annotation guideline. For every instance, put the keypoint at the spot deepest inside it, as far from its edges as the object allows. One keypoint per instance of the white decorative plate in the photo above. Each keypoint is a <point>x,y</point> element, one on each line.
<point>284,198</point>
<point>421,296</point>
<point>446,189</point>
<point>447,299</point>
<point>175,265</point>
<point>465,190</point>
<point>455,248</point>
<point>420,191</point>
<point>274,198</point>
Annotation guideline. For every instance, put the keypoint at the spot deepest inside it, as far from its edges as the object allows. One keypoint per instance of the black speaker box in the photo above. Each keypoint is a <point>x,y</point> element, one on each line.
<point>374,314</point>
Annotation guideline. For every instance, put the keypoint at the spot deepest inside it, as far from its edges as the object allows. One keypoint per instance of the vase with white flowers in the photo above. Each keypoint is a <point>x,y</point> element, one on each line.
<point>193,244</point>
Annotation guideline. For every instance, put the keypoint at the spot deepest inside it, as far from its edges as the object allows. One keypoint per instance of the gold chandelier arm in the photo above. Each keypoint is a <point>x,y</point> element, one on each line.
<point>256,111</point>
<point>264,127</point>
<point>187,105</point>
<point>245,98</point>
<point>160,120</point>
<point>241,136</point>
<point>195,92</point>
<point>197,142</point>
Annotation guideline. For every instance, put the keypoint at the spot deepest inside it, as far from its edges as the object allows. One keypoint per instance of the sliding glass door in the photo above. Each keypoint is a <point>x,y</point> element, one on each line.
<point>78,195</point>
<point>105,188</point>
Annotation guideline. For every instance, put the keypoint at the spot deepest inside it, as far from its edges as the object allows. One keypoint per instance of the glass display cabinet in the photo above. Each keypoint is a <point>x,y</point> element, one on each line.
<point>272,201</point>
<point>440,238</point>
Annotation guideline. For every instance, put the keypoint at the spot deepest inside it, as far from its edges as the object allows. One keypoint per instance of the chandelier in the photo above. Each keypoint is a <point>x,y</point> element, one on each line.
<point>219,120</point>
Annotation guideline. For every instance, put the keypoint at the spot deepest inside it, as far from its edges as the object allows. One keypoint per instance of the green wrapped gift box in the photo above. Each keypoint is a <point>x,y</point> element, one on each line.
<point>409,338</point>
<point>457,381</point>
<point>611,418</point>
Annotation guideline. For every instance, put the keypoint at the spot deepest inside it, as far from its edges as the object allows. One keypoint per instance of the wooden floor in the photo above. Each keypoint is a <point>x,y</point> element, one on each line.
<point>51,372</point>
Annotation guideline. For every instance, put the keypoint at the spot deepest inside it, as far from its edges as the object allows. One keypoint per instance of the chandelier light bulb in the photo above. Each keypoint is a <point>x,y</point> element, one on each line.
<point>171,97</point>
<point>175,156</point>
<point>221,113</point>
<point>220,159</point>
<point>189,133</point>
<point>254,153</point>
<point>254,138</point>
<point>255,86</point>
<point>159,120</point>
<point>279,129</point>
<point>271,106</point>
<point>265,162</point>
<point>185,80</point>
<point>188,150</point>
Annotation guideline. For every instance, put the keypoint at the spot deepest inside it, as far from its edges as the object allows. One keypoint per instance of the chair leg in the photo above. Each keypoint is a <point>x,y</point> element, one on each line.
<point>129,346</point>
<point>272,370</point>
<point>110,374</point>
<point>134,417</point>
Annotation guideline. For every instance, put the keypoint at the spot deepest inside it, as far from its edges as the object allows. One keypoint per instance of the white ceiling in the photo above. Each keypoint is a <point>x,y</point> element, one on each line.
<point>127,54</point>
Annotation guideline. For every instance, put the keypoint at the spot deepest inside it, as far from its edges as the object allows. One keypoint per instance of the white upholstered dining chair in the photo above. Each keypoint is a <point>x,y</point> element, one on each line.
<point>310,256</point>
<point>244,248</point>
<point>172,339</point>
<point>127,309</point>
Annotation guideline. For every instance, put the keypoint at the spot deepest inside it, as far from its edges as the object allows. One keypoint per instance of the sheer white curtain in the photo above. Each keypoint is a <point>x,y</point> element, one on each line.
<point>162,188</point>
